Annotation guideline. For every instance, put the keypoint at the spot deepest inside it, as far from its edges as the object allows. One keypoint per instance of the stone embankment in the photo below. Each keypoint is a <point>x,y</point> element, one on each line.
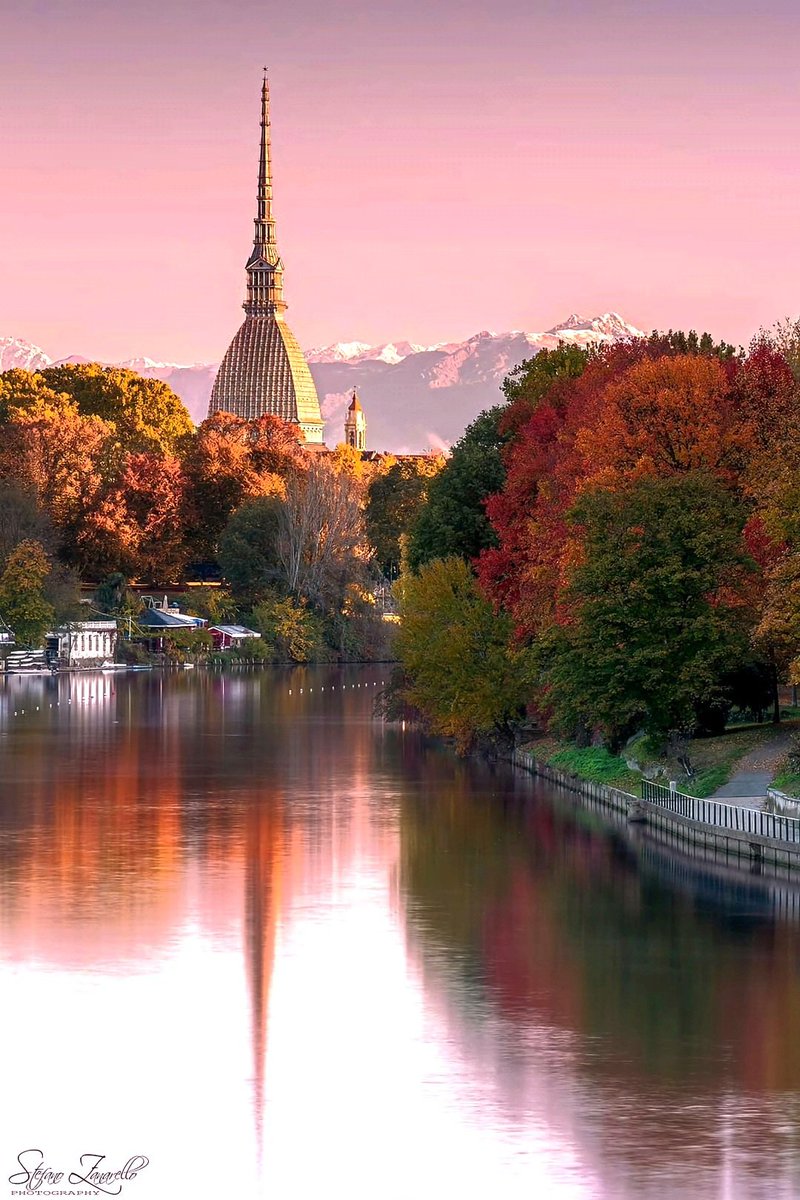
<point>750,835</point>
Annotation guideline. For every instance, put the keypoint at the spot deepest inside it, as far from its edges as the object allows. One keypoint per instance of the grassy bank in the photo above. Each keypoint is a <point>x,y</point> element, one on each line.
<point>714,760</point>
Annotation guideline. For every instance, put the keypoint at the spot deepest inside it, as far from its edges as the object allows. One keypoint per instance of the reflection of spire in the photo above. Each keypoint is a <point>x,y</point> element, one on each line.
<point>263,855</point>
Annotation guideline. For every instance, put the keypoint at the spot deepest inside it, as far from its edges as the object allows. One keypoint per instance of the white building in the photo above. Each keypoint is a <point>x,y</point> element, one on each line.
<point>83,643</point>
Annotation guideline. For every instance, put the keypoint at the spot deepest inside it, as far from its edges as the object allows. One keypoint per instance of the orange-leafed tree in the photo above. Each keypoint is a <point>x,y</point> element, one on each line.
<point>65,458</point>
<point>138,528</point>
<point>661,417</point>
<point>637,411</point>
<point>146,413</point>
<point>231,460</point>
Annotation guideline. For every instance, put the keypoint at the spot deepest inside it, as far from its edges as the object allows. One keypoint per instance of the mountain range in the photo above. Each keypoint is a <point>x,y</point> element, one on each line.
<point>414,397</point>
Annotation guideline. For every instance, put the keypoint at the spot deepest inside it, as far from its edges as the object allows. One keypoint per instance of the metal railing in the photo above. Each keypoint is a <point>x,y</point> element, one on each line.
<point>724,816</point>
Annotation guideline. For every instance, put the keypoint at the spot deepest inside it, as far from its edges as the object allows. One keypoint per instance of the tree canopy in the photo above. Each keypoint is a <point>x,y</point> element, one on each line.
<point>652,614</point>
<point>394,500</point>
<point>632,512</point>
<point>145,413</point>
<point>454,521</point>
<point>462,672</point>
<point>23,605</point>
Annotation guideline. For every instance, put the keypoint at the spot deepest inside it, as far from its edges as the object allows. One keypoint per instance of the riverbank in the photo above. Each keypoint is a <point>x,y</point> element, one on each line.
<point>748,839</point>
<point>727,766</point>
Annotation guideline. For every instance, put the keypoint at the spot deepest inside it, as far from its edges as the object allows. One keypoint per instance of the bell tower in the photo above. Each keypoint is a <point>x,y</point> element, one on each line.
<point>355,425</point>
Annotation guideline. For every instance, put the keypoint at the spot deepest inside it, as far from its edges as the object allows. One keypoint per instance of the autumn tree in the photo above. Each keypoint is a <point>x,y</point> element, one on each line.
<point>21,389</point>
<point>64,458</point>
<point>647,408</point>
<point>307,543</point>
<point>651,617</point>
<point>661,416</point>
<point>461,669</point>
<point>23,605</point>
<point>784,337</point>
<point>321,541</point>
<point>346,460</point>
<point>290,627</point>
<point>138,527</point>
<point>527,384</point>
<point>230,461</point>
<point>147,415</point>
<point>275,447</point>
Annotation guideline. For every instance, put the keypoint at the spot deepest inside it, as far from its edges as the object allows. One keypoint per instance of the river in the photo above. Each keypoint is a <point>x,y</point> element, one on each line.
<point>279,948</point>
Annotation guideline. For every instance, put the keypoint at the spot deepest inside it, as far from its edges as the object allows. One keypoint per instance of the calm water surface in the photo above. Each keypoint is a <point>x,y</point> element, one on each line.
<point>285,950</point>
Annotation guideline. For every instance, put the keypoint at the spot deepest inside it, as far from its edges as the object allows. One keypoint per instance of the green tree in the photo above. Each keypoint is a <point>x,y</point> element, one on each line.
<point>23,605</point>
<point>393,501</point>
<point>676,341</point>
<point>651,618</point>
<point>112,594</point>
<point>462,671</point>
<point>215,604</point>
<point>22,518</point>
<point>248,549</point>
<point>290,627</point>
<point>453,520</point>
<point>527,383</point>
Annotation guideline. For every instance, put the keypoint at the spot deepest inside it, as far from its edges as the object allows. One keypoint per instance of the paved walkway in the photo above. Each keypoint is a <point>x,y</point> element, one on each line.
<point>755,772</point>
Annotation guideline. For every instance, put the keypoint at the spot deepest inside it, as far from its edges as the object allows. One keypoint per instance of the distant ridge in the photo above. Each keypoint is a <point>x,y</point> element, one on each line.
<point>414,396</point>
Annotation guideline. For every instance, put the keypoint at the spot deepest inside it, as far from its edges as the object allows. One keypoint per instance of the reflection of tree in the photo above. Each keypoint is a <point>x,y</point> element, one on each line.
<point>554,917</point>
<point>121,794</point>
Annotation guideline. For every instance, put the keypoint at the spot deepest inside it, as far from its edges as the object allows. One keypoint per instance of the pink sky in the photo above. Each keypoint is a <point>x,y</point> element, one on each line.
<point>440,168</point>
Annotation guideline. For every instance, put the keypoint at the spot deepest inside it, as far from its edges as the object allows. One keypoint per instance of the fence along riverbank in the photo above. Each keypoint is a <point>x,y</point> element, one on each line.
<point>748,834</point>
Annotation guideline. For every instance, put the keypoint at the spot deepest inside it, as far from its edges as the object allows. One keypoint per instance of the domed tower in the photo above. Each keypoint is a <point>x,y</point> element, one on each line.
<point>355,425</point>
<point>264,370</point>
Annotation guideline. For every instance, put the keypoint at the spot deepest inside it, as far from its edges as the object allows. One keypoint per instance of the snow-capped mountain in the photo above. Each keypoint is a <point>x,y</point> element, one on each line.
<point>428,396</point>
<point>151,364</point>
<point>608,327</point>
<point>14,352</point>
<point>356,352</point>
<point>414,396</point>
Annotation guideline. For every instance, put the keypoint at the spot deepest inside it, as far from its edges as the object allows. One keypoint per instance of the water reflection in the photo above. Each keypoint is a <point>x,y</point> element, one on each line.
<point>239,913</point>
<point>671,1021</point>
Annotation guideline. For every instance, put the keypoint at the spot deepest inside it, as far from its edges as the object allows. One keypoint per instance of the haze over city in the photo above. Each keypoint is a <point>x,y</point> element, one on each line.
<point>437,171</point>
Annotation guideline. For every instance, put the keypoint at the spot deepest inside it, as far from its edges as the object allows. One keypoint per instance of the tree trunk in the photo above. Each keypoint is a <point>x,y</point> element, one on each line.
<point>776,700</point>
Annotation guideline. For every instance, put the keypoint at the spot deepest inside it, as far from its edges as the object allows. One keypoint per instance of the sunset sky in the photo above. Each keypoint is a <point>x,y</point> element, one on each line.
<point>440,168</point>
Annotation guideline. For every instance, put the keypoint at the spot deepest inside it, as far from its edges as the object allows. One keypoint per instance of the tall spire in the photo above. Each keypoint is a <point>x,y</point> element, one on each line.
<point>264,266</point>
<point>263,370</point>
<point>265,225</point>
